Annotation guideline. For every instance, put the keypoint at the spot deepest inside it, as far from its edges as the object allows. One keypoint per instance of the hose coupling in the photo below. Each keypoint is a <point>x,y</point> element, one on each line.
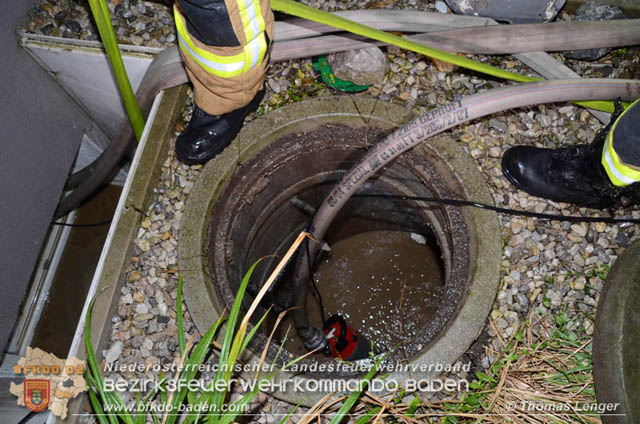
<point>314,338</point>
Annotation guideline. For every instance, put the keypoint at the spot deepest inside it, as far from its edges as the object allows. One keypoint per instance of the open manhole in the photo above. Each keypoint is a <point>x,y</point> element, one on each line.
<point>414,278</point>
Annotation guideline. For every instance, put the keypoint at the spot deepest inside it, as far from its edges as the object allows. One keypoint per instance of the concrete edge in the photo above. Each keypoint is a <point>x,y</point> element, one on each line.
<point>485,278</point>
<point>109,275</point>
<point>199,295</point>
<point>616,365</point>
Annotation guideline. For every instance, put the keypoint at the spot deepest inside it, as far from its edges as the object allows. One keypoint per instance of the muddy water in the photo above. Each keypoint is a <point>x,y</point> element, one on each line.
<point>384,283</point>
<point>70,286</point>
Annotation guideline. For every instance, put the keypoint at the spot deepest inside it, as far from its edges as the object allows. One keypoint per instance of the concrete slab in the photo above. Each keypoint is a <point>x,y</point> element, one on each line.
<point>110,273</point>
<point>616,363</point>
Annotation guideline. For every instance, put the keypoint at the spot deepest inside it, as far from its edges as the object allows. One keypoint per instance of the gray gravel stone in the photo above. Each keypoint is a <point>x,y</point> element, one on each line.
<point>594,11</point>
<point>363,66</point>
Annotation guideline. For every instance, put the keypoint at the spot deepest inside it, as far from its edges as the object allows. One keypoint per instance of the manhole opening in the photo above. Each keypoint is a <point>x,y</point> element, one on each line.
<point>424,250</point>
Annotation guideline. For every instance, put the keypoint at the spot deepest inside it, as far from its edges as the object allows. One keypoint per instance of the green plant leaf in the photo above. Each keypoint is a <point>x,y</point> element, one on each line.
<point>102,18</point>
<point>97,406</point>
<point>254,330</point>
<point>353,397</point>
<point>369,415</point>
<point>94,374</point>
<point>413,406</point>
<point>231,344</point>
<point>191,365</point>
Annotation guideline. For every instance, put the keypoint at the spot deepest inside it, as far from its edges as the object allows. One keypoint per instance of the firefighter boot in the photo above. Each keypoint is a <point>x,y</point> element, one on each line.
<point>208,135</point>
<point>572,174</point>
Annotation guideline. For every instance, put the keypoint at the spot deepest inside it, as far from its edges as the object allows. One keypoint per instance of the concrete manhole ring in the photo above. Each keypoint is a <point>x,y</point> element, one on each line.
<point>616,364</point>
<point>452,165</point>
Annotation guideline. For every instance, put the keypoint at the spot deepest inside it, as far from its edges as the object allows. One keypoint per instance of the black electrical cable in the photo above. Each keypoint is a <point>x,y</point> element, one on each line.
<point>313,283</point>
<point>95,224</point>
<point>506,211</point>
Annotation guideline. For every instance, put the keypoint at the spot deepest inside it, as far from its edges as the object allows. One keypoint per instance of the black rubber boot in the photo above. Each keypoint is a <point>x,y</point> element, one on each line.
<point>572,174</point>
<point>208,135</point>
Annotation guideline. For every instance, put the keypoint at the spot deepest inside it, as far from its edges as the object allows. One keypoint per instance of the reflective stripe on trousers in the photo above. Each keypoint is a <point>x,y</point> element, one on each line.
<point>619,173</point>
<point>228,66</point>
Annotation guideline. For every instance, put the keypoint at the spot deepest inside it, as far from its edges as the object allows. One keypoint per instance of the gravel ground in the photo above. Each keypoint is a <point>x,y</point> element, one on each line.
<point>151,23</point>
<point>546,266</point>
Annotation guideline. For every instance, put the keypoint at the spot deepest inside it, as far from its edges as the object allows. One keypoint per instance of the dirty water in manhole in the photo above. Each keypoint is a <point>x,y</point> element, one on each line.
<point>386,284</point>
<point>390,269</point>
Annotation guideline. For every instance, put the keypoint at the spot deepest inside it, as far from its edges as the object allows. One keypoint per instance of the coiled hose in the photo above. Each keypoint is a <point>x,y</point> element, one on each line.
<point>418,130</point>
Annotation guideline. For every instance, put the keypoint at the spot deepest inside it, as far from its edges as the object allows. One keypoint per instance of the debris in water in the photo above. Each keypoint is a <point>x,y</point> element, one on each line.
<point>418,238</point>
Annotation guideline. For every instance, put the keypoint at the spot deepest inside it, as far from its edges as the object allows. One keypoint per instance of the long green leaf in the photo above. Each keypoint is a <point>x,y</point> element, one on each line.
<point>231,343</point>
<point>100,13</point>
<point>239,405</point>
<point>139,416</point>
<point>369,415</point>
<point>353,397</point>
<point>106,400</point>
<point>191,364</point>
<point>97,407</point>
<point>302,11</point>
<point>254,330</point>
<point>413,407</point>
<point>94,372</point>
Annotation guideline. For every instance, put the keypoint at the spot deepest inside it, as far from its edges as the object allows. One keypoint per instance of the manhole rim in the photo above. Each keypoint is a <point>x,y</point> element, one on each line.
<point>200,296</point>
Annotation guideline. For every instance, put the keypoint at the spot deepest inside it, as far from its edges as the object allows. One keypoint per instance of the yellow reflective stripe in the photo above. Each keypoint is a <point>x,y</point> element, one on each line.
<point>223,66</point>
<point>251,17</point>
<point>616,177</point>
<point>253,25</point>
<point>619,173</point>
<point>262,46</point>
<point>259,19</point>
<point>258,48</point>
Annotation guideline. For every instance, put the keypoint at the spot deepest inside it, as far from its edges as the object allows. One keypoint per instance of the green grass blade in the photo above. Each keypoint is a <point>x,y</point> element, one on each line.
<point>94,372</point>
<point>180,318</point>
<point>369,415</point>
<point>191,364</point>
<point>289,414</point>
<point>353,397</point>
<point>106,400</point>
<point>233,315</point>
<point>97,407</point>
<point>92,361</point>
<point>232,341</point>
<point>239,405</point>
<point>413,407</point>
<point>100,13</point>
<point>163,384</point>
<point>140,417</point>
<point>253,331</point>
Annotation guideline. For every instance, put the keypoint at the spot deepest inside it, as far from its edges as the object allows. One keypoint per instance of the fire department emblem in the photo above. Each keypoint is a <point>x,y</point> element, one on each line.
<point>36,394</point>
